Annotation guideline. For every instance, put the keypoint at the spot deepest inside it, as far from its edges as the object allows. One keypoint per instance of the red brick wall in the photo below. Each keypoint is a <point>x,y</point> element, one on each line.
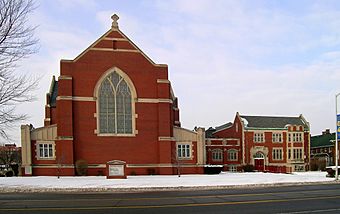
<point>76,119</point>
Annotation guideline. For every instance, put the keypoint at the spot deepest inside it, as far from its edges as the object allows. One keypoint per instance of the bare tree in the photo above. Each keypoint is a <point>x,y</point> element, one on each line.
<point>176,160</point>
<point>60,162</point>
<point>16,42</point>
<point>10,157</point>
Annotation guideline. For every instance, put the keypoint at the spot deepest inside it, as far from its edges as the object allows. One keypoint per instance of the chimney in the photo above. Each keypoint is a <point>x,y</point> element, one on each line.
<point>327,131</point>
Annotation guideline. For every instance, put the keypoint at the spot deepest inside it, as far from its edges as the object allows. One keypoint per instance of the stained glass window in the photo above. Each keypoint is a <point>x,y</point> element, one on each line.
<point>115,106</point>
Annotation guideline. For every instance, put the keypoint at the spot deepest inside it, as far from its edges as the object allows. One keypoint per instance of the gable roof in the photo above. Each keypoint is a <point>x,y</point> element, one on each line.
<point>224,126</point>
<point>115,34</point>
<point>209,132</point>
<point>272,122</point>
<point>322,140</point>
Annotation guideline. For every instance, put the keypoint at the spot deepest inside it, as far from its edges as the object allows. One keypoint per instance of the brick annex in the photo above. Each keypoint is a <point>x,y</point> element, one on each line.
<point>113,103</point>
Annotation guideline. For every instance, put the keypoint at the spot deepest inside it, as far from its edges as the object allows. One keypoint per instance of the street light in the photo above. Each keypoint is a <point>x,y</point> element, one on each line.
<point>336,137</point>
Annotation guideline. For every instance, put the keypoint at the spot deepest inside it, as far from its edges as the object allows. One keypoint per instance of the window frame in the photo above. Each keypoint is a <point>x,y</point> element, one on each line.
<point>277,137</point>
<point>259,137</point>
<point>277,154</point>
<point>133,94</point>
<point>232,168</point>
<point>218,153</point>
<point>50,148</point>
<point>232,155</point>
<point>187,147</point>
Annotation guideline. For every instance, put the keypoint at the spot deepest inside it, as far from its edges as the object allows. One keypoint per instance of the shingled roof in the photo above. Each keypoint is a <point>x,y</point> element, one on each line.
<point>227,125</point>
<point>272,122</point>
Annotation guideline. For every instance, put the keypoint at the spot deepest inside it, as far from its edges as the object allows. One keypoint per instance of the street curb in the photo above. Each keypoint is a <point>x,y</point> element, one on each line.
<point>155,189</point>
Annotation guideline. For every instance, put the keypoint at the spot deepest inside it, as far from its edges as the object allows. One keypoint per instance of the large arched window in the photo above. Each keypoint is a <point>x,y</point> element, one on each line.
<point>115,105</point>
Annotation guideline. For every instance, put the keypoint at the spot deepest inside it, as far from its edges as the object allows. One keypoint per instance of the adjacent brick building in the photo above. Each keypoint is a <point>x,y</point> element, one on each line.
<point>322,150</point>
<point>275,144</point>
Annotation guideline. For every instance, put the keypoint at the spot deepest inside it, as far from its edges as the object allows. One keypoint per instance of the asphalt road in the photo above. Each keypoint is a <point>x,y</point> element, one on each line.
<point>291,199</point>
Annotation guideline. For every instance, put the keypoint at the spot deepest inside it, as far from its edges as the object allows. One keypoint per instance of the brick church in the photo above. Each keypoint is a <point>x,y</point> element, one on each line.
<point>112,102</point>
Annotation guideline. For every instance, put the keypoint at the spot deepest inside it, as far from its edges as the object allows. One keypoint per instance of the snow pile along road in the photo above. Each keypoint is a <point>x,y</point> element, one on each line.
<point>46,183</point>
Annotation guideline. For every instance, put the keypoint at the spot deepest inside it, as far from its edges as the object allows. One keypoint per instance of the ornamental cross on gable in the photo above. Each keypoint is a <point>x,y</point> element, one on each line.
<point>115,18</point>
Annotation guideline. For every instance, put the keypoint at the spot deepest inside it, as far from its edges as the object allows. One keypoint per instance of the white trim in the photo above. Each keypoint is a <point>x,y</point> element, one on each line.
<point>133,92</point>
<point>64,77</point>
<point>37,150</point>
<point>165,138</point>
<point>115,50</point>
<point>115,39</point>
<point>163,81</point>
<point>70,166</point>
<point>153,100</point>
<point>65,138</point>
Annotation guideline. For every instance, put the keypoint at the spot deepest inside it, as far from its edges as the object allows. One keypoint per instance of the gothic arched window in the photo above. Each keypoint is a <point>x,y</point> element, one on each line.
<point>115,105</point>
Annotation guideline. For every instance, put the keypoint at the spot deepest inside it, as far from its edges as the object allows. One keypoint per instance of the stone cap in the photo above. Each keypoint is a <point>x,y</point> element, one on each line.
<point>116,162</point>
<point>114,18</point>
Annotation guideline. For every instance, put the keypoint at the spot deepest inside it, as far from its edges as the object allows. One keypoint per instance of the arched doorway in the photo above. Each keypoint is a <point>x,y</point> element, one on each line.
<point>259,161</point>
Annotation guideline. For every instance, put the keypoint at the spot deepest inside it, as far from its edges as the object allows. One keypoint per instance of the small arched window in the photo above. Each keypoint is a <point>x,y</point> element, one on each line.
<point>115,105</point>
<point>217,155</point>
<point>232,154</point>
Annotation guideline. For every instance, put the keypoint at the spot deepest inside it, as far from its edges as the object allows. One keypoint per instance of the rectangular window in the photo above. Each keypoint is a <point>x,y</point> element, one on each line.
<point>183,151</point>
<point>289,153</point>
<point>299,168</point>
<point>232,155</point>
<point>277,154</point>
<point>297,137</point>
<point>297,154</point>
<point>259,137</point>
<point>46,150</point>
<point>232,168</point>
<point>277,137</point>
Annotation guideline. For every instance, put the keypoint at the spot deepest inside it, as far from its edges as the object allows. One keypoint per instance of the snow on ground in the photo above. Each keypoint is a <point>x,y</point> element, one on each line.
<point>160,181</point>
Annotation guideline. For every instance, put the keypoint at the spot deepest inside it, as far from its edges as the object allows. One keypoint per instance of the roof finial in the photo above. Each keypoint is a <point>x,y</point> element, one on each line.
<point>114,18</point>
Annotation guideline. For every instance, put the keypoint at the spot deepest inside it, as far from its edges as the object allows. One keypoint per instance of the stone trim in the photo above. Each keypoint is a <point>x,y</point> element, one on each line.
<point>70,166</point>
<point>64,77</point>
<point>115,50</point>
<point>75,98</point>
<point>65,138</point>
<point>115,39</point>
<point>164,138</point>
<point>163,81</point>
<point>153,100</point>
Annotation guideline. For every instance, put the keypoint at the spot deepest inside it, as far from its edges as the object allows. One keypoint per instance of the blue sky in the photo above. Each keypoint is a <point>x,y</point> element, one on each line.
<point>252,57</point>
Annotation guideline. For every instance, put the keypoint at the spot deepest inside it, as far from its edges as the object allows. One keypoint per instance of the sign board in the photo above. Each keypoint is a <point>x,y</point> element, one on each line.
<point>338,126</point>
<point>116,170</point>
<point>28,170</point>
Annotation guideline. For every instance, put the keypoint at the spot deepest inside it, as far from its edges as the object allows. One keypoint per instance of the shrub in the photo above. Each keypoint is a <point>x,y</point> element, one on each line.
<point>15,168</point>
<point>151,171</point>
<point>248,168</point>
<point>9,173</point>
<point>81,167</point>
<point>100,173</point>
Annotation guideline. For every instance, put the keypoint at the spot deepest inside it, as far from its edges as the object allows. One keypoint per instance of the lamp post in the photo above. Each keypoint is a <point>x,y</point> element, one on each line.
<point>336,137</point>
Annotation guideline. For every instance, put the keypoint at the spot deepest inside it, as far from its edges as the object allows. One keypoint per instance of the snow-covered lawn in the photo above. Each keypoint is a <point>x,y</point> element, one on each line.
<point>159,181</point>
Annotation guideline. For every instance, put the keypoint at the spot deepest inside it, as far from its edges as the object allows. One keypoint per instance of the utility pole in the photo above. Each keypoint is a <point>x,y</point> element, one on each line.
<point>336,137</point>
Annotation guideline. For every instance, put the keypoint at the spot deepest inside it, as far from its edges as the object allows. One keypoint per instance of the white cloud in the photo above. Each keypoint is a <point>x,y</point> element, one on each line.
<point>223,57</point>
